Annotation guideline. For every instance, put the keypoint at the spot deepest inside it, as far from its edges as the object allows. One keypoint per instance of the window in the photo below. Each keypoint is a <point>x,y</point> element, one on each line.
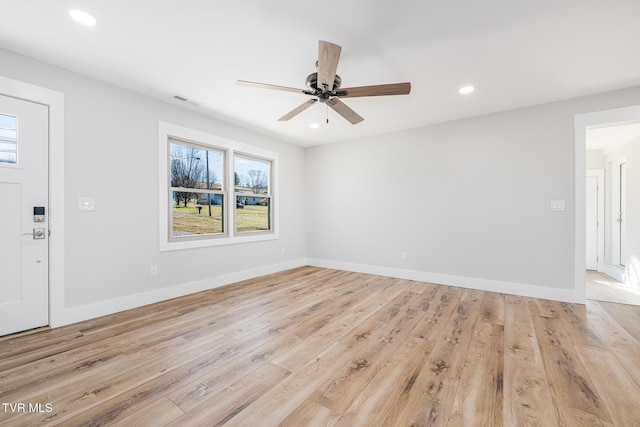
<point>8,139</point>
<point>252,178</point>
<point>214,191</point>
<point>197,191</point>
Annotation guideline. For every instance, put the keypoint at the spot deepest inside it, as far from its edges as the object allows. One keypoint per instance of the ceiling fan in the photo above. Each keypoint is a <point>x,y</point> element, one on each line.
<point>324,86</point>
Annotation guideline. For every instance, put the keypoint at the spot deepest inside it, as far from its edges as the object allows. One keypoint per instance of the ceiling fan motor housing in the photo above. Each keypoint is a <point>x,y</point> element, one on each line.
<point>312,83</point>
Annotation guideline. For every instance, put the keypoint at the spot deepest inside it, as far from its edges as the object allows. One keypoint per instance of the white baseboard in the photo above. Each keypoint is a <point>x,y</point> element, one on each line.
<point>90,311</point>
<point>458,281</point>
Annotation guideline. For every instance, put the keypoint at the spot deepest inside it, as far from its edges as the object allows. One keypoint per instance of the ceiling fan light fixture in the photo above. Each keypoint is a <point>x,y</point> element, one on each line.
<point>465,90</point>
<point>82,17</point>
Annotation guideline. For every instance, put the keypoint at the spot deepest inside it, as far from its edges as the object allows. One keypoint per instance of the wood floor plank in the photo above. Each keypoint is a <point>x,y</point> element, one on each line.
<point>27,349</point>
<point>53,370</point>
<point>243,314</point>
<point>319,347</point>
<point>371,342</point>
<point>609,374</point>
<point>571,387</point>
<point>215,379</point>
<point>437,376</point>
<point>619,391</point>
<point>383,396</point>
<point>112,408</point>
<point>575,321</point>
<point>527,400</point>
<point>161,413</point>
<point>310,413</point>
<point>274,406</point>
<point>479,397</point>
<point>424,317</point>
<point>309,303</point>
<point>320,333</point>
<point>624,346</point>
<point>14,348</point>
<point>103,382</point>
<point>230,401</point>
<point>628,316</point>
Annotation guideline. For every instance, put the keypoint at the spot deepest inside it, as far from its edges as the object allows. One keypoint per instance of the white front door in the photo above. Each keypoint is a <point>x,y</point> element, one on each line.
<point>24,215</point>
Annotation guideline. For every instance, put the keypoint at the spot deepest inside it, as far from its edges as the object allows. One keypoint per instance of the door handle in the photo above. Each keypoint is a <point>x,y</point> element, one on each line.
<point>37,233</point>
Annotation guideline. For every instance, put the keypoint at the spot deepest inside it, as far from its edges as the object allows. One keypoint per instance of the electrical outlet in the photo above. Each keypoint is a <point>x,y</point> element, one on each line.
<point>153,271</point>
<point>403,256</point>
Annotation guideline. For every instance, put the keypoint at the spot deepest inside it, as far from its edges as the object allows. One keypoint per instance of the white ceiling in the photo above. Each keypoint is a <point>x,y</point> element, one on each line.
<point>516,53</point>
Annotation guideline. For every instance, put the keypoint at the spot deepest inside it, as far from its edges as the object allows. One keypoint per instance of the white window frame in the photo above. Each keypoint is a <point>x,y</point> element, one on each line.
<point>168,131</point>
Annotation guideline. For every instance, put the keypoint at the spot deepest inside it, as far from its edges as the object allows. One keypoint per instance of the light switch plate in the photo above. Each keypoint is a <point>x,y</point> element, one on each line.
<point>557,205</point>
<point>86,204</point>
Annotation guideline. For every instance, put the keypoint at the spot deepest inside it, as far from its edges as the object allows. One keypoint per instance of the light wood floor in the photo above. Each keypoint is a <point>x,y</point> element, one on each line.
<point>318,347</point>
<point>601,287</point>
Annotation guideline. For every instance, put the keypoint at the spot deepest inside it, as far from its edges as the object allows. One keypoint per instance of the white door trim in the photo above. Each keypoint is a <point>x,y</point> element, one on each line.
<point>581,123</point>
<point>55,101</point>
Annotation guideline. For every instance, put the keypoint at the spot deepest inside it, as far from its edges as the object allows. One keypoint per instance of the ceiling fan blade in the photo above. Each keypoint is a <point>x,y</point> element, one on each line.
<point>274,87</point>
<point>328,56</point>
<point>299,109</point>
<point>346,112</point>
<point>376,90</point>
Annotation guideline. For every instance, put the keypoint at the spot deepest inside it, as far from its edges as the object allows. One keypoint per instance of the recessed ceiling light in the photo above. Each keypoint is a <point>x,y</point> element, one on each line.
<point>466,90</point>
<point>82,17</point>
<point>314,126</point>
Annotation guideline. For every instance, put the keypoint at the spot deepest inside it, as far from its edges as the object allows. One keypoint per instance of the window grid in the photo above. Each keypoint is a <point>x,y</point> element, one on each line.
<point>236,193</point>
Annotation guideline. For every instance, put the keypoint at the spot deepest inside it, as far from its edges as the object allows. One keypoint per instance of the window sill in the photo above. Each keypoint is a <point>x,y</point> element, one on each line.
<point>190,244</point>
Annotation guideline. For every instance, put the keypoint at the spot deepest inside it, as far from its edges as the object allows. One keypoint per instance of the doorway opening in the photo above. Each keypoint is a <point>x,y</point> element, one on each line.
<point>608,148</point>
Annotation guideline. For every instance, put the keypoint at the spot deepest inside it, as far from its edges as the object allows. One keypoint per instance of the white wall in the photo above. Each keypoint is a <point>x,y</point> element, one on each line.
<point>595,159</point>
<point>468,201</point>
<point>111,154</point>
